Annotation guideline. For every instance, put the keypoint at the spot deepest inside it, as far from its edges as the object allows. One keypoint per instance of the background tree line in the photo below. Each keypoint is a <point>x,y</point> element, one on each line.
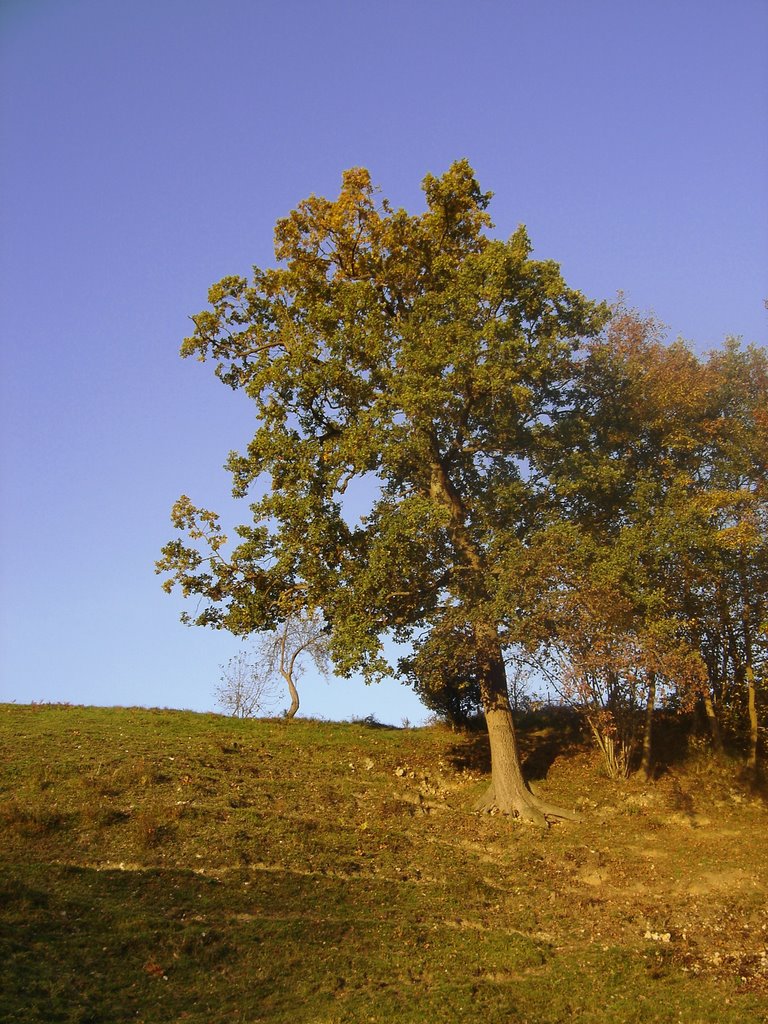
<point>648,579</point>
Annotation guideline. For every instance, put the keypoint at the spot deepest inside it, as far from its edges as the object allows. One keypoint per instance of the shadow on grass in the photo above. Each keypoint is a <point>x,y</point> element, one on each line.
<point>679,738</point>
<point>79,944</point>
<point>670,744</point>
<point>166,945</point>
<point>553,731</point>
<point>542,736</point>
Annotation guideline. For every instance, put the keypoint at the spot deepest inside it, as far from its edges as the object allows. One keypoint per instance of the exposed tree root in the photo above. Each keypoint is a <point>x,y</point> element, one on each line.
<point>525,805</point>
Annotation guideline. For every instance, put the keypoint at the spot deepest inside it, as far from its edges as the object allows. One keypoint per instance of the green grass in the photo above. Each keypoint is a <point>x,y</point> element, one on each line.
<point>161,866</point>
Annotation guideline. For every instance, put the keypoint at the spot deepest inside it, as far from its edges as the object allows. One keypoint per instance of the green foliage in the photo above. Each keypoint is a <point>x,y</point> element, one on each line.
<point>413,353</point>
<point>444,672</point>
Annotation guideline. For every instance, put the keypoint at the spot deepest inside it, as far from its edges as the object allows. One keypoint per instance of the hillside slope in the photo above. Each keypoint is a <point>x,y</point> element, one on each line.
<point>163,866</point>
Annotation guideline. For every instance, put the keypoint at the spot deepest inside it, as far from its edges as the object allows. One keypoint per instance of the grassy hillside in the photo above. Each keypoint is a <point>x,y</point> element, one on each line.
<point>161,866</point>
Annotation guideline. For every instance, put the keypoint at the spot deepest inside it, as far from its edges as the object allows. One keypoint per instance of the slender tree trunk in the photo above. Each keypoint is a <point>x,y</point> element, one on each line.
<point>753,722</point>
<point>286,671</point>
<point>749,675</point>
<point>646,760</point>
<point>714,725</point>
<point>293,692</point>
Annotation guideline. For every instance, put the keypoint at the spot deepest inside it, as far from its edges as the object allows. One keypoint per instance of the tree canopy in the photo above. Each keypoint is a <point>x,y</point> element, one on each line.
<point>429,360</point>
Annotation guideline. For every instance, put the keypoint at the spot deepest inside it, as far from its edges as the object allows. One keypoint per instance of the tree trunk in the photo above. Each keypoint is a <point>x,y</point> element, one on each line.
<point>646,761</point>
<point>293,692</point>
<point>508,791</point>
<point>286,671</point>
<point>753,723</point>
<point>714,725</point>
<point>749,673</point>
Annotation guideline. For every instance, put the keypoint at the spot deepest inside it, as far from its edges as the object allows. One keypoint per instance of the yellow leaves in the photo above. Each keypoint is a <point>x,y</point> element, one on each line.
<point>199,523</point>
<point>742,536</point>
<point>355,183</point>
<point>181,512</point>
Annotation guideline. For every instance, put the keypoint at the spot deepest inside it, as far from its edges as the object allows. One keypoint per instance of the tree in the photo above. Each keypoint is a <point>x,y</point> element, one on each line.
<point>729,588</point>
<point>614,666</point>
<point>661,471</point>
<point>444,672</point>
<point>426,360</point>
<point>300,635</point>
<point>245,687</point>
<point>248,680</point>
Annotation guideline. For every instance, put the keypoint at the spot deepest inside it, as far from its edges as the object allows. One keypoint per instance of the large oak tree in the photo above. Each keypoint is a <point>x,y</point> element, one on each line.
<point>427,360</point>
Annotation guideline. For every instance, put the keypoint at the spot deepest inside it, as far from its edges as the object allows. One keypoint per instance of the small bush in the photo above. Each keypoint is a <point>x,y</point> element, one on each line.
<point>156,825</point>
<point>31,819</point>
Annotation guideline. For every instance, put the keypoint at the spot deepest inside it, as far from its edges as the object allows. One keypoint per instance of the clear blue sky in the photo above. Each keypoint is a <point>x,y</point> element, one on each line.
<point>146,150</point>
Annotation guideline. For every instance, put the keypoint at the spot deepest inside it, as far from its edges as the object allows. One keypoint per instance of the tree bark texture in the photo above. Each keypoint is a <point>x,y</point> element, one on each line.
<point>294,693</point>
<point>508,791</point>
